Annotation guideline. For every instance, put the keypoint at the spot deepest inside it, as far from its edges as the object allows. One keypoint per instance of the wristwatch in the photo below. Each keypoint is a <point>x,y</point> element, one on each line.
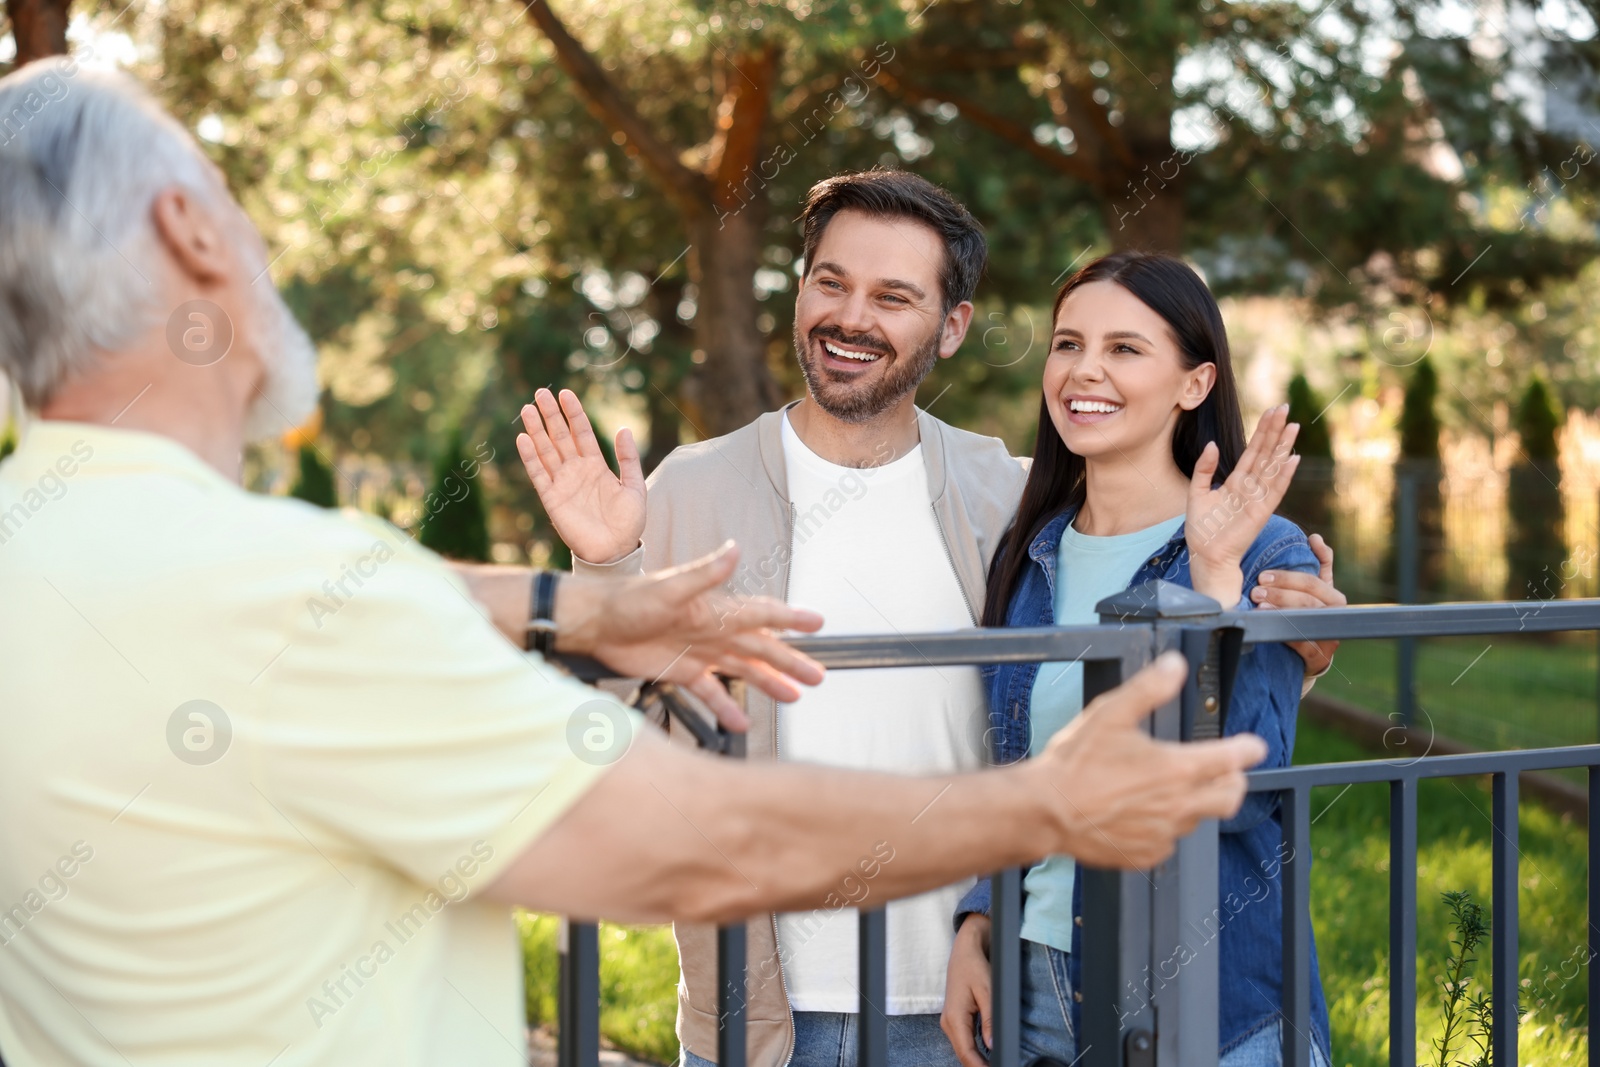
<point>540,634</point>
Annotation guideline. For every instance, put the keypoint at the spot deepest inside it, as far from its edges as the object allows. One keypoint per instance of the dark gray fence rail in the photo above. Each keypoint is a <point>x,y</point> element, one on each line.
<point>1130,918</point>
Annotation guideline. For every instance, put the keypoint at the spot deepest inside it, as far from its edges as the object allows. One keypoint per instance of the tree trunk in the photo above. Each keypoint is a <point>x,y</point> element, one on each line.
<point>1146,213</point>
<point>664,370</point>
<point>732,384</point>
<point>40,28</point>
<point>665,429</point>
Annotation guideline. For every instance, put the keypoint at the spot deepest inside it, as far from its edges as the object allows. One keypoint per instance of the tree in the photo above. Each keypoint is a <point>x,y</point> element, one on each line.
<point>1536,545</point>
<point>316,484</point>
<point>455,520</point>
<point>1419,465</point>
<point>1260,138</point>
<point>762,68</point>
<point>39,28</point>
<point>1309,499</point>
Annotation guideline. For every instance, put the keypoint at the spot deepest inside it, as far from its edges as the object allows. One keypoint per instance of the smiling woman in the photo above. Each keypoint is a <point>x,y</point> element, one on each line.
<point>1141,473</point>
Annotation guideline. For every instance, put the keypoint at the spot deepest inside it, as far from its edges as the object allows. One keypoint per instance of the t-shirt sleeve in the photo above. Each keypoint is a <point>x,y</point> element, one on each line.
<point>399,724</point>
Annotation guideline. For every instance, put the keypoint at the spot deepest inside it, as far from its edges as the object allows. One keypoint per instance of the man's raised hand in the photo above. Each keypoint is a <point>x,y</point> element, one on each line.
<point>599,515</point>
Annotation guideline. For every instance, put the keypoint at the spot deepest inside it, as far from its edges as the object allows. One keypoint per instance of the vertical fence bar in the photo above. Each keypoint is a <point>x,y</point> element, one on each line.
<point>731,995</point>
<point>1406,564</point>
<point>1005,968</point>
<point>1594,911</point>
<point>1503,935</point>
<point>732,943</point>
<point>578,1013</point>
<point>872,978</point>
<point>1403,922</point>
<point>1297,927</point>
<point>1114,973</point>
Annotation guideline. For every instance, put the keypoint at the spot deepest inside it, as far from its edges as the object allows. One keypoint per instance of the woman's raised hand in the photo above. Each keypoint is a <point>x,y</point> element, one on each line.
<point>1223,522</point>
<point>597,514</point>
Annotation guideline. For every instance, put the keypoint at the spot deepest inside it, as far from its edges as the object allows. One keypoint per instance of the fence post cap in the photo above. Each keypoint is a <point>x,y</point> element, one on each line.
<point>1156,599</point>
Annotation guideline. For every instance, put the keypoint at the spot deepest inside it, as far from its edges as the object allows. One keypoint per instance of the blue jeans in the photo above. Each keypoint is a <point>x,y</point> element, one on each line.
<point>1046,1005</point>
<point>1264,1048</point>
<point>831,1039</point>
<point>1047,1018</point>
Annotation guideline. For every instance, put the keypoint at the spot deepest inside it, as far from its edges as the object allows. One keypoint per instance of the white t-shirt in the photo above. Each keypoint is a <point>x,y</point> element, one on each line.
<point>868,554</point>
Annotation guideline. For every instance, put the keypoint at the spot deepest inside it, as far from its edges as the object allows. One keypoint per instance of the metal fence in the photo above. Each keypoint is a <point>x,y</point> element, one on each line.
<point>1424,533</point>
<point>1133,921</point>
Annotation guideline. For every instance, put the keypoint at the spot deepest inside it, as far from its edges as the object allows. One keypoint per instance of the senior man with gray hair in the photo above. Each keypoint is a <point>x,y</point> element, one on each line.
<point>237,830</point>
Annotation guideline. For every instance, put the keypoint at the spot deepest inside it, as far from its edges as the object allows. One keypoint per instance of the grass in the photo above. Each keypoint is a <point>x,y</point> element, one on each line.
<point>1350,913</point>
<point>1491,692</point>
<point>638,984</point>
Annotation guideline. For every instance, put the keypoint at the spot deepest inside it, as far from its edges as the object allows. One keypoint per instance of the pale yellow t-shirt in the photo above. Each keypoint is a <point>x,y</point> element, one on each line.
<point>256,758</point>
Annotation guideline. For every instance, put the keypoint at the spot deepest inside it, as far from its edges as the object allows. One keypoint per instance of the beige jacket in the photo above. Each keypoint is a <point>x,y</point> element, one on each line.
<point>736,487</point>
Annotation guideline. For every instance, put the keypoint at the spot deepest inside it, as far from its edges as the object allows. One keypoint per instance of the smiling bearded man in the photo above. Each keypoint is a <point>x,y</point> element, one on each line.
<point>880,516</point>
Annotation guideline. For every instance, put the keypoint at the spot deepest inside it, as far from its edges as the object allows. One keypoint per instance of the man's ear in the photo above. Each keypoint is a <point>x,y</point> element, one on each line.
<point>191,232</point>
<point>955,329</point>
<point>1197,386</point>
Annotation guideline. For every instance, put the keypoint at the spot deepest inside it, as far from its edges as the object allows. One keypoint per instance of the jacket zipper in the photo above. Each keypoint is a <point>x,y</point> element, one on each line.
<point>777,753</point>
<point>951,556</point>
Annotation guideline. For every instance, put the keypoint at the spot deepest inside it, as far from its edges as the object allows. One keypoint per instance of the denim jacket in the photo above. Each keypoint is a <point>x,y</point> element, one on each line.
<point>1265,701</point>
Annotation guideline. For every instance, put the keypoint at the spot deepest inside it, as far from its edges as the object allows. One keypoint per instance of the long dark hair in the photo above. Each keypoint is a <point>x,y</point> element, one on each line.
<point>1175,292</point>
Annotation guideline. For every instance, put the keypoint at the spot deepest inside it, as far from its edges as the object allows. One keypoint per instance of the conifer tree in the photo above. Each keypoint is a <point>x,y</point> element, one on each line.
<point>315,484</point>
<point>1309,501</point>
<point>1420,463</point>
<point>455,519</point>
<point>1536,544</point>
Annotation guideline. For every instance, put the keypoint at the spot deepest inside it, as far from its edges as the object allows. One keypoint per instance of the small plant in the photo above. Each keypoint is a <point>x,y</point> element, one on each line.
<point>1468,1007</point>
<point>1460,1016</point>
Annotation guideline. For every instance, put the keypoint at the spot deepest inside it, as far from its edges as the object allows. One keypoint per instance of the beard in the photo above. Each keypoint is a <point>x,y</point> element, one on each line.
<point>858,402</point>
<point>287,396</point>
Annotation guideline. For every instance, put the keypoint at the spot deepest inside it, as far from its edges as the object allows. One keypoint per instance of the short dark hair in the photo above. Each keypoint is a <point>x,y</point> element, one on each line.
<point>900,194</point>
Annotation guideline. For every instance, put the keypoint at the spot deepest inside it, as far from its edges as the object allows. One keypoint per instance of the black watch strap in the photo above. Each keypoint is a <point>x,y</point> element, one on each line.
<point>540,636</point>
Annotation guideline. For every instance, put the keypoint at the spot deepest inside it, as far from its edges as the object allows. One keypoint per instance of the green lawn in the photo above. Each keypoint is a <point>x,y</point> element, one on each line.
<point>1491,692</point>
<point>1350,912</point>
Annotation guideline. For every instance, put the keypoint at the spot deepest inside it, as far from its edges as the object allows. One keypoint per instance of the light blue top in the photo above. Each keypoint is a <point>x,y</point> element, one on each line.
<point>1088,569</point>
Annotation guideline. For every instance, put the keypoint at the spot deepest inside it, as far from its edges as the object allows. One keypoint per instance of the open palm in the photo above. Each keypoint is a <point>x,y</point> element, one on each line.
<point>599,515</point>
<point>1223,521</point>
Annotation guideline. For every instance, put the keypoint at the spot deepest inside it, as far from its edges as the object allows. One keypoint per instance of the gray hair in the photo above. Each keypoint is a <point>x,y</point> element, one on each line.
<point>83,154</point>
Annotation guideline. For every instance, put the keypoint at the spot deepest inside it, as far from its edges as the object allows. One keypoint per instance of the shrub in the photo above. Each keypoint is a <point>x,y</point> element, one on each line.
<point>1419,463</point>
<point>1536,542</point>
<point>1309,501</point>
<point>455,521</point>
<point>316,482</point>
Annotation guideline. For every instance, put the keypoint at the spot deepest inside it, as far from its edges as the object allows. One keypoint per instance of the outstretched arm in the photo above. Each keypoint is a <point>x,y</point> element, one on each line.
<point>671,834</point>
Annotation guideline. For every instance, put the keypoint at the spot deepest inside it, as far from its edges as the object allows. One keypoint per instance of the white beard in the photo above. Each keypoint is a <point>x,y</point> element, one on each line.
<point>288,392</point>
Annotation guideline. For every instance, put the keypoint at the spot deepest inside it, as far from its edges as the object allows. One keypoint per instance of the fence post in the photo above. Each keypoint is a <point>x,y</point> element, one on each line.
<point>732,1021</point>
<point>1116,983</point>
<point>1174,1023</point>
<point>578,1012</point>
<point>1406,573</point>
